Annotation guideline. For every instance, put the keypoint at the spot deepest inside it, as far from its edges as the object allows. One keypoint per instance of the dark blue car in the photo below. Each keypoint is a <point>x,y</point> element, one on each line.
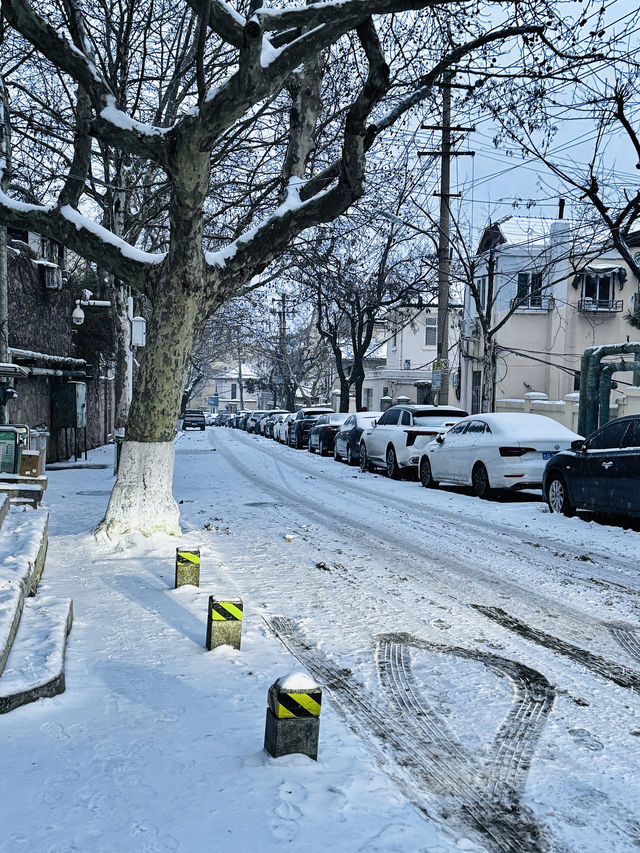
<point>600,473</point>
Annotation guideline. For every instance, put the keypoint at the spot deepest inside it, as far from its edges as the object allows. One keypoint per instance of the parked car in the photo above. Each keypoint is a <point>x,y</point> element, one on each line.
<point>193,419</point>
<point>300,426</point>
<point>253,419</point>
<point>323,432</point>
<point>601,473</point>
<point>396,440</point>
<point>502,450</point>
<point>237,418</point>
<point>244,420</point>
<point>271,422</point>
<point>209,418</point>
<point>347,441</point>
<point>267,423</point>
<point>281,428</point>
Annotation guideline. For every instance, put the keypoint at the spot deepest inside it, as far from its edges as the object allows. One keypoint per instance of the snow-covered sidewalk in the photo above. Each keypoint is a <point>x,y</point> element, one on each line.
<point>156,745</point>
<point>479,662</point>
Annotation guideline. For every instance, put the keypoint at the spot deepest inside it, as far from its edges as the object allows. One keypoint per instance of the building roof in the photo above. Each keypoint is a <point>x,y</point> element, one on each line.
<point>516,231</point>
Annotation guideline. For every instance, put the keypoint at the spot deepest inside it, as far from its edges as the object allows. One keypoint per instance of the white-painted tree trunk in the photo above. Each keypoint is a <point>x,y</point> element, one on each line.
<point>142,499</point>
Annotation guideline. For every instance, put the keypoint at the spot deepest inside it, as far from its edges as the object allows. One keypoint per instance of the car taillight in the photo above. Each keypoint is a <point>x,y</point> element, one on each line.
<point>516,451</point>
<point>332,430</point>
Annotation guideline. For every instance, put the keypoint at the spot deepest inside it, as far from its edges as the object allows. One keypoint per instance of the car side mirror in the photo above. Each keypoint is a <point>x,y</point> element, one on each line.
<point>373,423</point>
<point>579,444</point>
<point>440,438</point>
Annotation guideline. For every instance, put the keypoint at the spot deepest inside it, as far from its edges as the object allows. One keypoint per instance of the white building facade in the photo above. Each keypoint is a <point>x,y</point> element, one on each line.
<point>567,293</point>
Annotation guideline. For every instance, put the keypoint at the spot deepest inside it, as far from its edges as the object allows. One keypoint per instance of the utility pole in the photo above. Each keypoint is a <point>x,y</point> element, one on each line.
<point>282,345</point>
<point>444,265</point>
<point>441,365</point>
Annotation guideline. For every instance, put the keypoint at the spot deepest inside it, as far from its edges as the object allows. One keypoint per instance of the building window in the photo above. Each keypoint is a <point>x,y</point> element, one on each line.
<point>529,292</point>
<point>407,364</point>
<point>234,391</point>
<point>481,287</point>
<point>385,390</point>
<point>431,331</point>
<point>597,289</point>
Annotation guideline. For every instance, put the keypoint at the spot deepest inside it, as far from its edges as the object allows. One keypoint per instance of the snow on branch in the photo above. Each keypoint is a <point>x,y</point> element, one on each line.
<point>83,236</point>
<point>346,11</point>
<point>113,125</point>
<point>223,20</point>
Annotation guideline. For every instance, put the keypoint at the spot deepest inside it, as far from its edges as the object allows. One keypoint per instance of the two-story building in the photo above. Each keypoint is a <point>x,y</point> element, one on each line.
<point>409,345</point>
<point>553,290</point>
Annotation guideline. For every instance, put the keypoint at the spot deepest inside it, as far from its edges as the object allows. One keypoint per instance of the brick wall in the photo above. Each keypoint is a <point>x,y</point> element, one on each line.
<point>40,321</point>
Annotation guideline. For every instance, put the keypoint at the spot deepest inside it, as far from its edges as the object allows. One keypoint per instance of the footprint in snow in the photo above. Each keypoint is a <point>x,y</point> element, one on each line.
<point>585,738</point>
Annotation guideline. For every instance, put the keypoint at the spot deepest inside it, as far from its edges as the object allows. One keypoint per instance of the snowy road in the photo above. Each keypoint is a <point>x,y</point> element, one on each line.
<point>503,640</point>
<point>480,662</point>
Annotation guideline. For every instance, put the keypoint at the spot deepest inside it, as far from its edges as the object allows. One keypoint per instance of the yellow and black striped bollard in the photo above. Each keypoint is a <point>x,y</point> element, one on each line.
<point>187,566</point>
<point>224,622</point>
<point>293,716</point>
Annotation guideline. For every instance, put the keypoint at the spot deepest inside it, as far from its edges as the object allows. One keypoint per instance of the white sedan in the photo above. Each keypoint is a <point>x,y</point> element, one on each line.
<point>502,450</point>
<point>281,428</point>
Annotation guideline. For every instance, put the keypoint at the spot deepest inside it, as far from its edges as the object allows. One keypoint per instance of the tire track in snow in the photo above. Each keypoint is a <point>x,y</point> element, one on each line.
<point>442,567</point>
<point>512,537</point>
<point>517,737</point>
<point>628,636</point>
<point>425,757</point>
<point>609,670</point>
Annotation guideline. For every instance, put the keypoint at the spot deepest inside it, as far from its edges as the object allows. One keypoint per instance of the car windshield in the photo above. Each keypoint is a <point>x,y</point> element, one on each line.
<point>338,418</point>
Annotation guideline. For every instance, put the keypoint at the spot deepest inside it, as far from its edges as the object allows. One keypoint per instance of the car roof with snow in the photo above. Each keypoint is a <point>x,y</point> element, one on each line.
<point>513,422</point>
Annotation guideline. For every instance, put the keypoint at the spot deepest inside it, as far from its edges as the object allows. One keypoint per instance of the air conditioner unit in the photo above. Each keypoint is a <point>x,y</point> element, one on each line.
<point>53,278</point>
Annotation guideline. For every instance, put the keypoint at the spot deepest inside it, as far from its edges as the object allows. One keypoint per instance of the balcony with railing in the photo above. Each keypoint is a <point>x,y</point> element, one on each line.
<point>534,302</point>
<point>607,306</point>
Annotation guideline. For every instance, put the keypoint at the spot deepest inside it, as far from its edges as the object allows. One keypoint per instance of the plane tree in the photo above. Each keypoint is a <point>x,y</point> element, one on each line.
<point>244,127</point>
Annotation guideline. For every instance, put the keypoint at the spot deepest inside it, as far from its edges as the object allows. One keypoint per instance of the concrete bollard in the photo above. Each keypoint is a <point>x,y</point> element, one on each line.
<point>187,566</point>
<point>293,716</point>
<point>224,622</point>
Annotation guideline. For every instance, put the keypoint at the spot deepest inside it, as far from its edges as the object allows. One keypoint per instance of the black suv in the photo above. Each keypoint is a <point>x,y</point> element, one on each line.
<point>300,426</point>
<point>600,473</point>
<point>194,419</point>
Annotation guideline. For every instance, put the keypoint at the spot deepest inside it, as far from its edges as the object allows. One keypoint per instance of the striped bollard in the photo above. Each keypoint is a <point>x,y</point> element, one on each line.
<point>224,622</point>
<point>293,716</point>
<point>187,566</point>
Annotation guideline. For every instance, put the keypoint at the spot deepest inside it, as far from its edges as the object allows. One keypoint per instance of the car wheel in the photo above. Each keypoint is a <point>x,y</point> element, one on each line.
<point>309,448</point>
<point>298,442</point>
<point>558,497</point>
<point>349,455</point>
<point>392,464</point>
<point>336,455</point>
<point>480,482</point>
<point>365,465</point>
<point>321,449</point>
<point>426,477</point>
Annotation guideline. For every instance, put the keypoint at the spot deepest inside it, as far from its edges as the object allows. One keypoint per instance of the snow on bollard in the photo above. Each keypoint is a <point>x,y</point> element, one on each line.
<point>293,716</point>
<point>224,622</point>
<point>187,566</point>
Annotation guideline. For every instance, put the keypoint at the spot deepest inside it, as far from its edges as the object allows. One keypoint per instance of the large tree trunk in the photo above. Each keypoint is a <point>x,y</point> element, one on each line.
<point>142,499</point>
<point>488,375</point>
<point>344,394</point>
<point>122,343</point>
